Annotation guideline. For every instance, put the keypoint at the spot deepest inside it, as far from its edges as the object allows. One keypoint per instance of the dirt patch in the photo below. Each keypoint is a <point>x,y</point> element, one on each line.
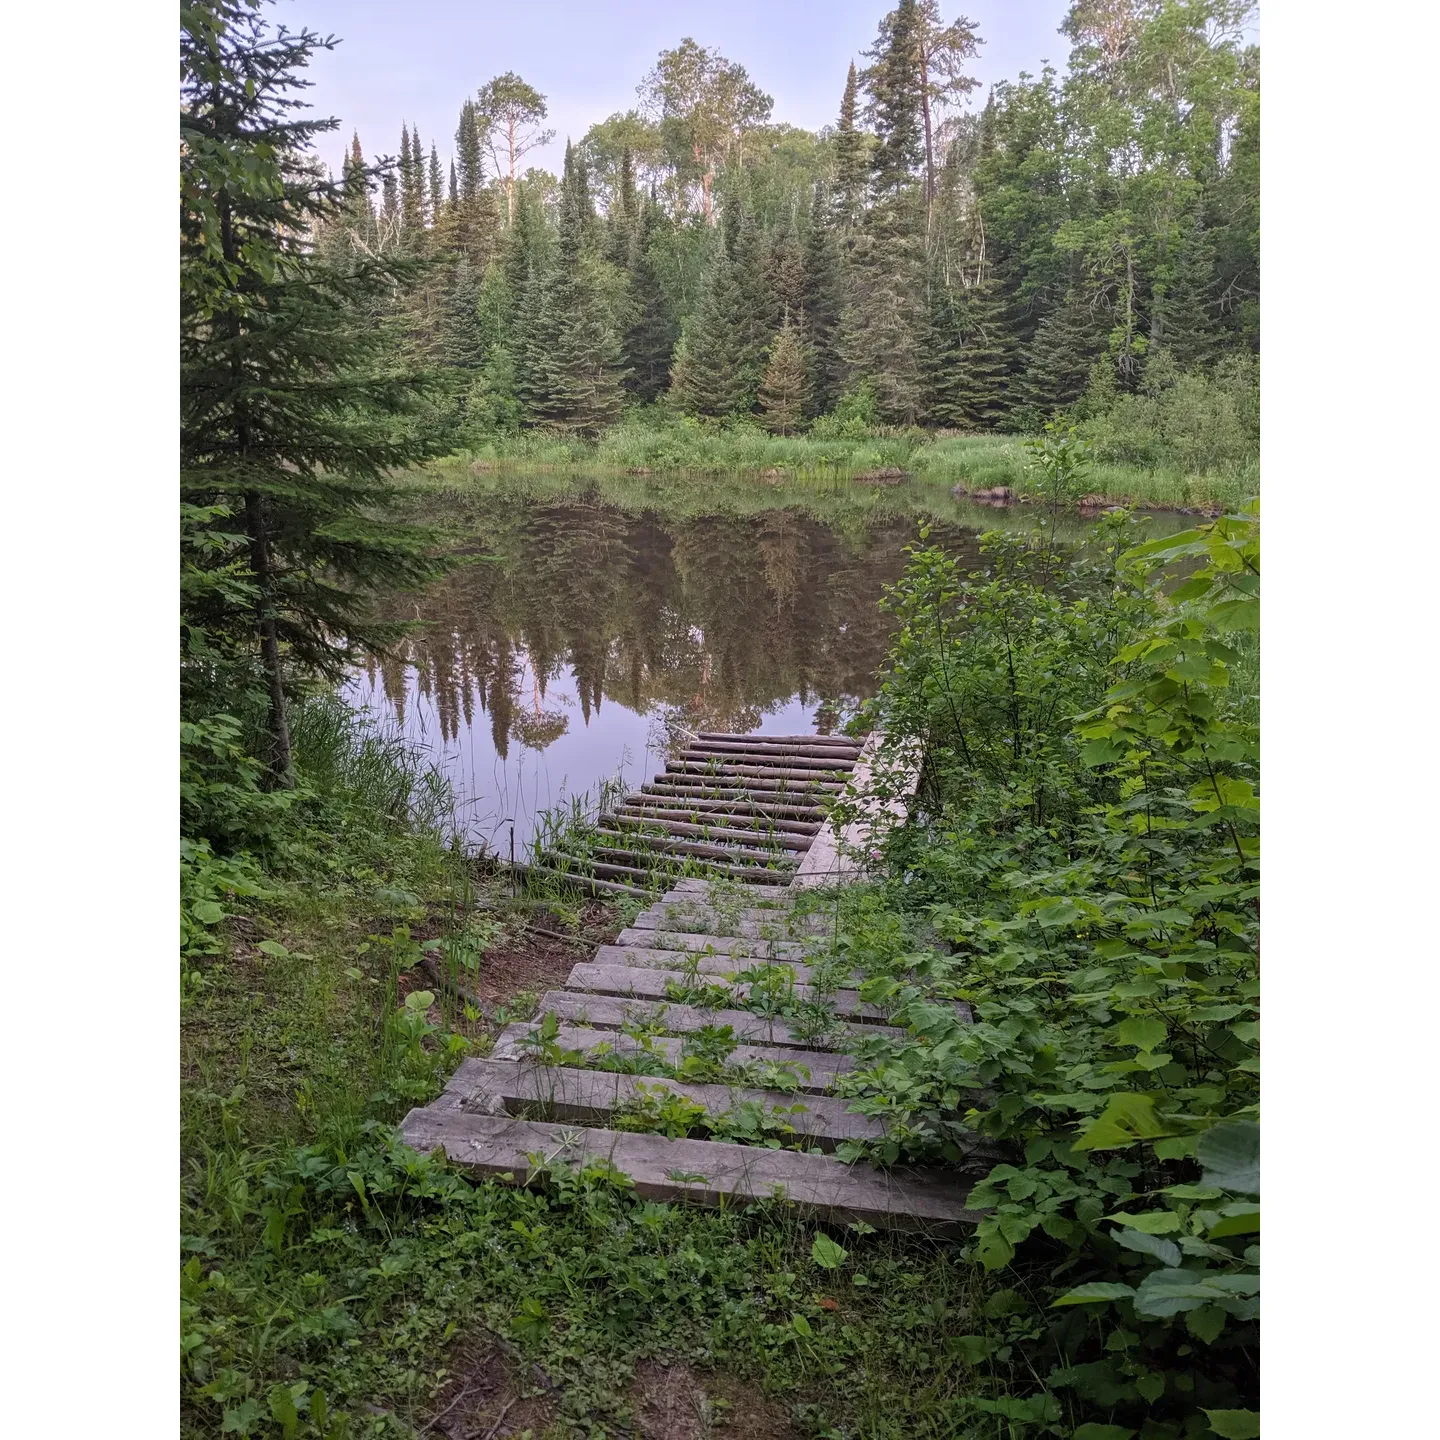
<point>490,1394</point>
<point>674,1402</point>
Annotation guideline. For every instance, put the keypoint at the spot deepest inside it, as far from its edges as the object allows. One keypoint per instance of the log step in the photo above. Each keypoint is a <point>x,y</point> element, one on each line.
<point>728,799</point>
<point>739,945</point>
<point>513,1087</point>
<point>610,1012</point>
<point>749,847</point>
<point>762,776</point>
<point>706,1172</point>
<point>786,762</point>
<point>643,983</point>
<point>746,836</point>
<point>711,964</point>
<point>841,742</point>
<point>814,1070</point>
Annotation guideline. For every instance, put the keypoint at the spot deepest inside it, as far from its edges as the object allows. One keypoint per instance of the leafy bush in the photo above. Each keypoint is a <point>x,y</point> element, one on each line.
<point>1085,875</point>
<point>1195,421</point>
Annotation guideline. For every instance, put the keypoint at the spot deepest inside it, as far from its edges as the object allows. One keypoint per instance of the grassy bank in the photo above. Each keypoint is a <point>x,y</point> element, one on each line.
<point>975,462</point>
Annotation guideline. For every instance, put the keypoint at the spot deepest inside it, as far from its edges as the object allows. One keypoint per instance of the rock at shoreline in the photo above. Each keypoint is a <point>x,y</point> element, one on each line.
<point>639,470</point>
<point>996,492</point>
<point>773,473</point>
<point>1093,502</point>
<point>886,475</point>
<point>959,492</point>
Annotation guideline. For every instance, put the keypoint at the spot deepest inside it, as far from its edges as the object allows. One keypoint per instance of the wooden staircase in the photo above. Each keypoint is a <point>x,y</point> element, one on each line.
<point>739,807</point>
<point>720,1008</point>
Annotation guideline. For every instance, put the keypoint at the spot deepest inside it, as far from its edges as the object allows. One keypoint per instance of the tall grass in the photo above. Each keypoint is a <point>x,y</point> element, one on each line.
<point>976,462</point>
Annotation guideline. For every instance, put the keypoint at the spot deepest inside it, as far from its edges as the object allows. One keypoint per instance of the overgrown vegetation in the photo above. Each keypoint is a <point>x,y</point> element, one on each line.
<point>1085,874</point>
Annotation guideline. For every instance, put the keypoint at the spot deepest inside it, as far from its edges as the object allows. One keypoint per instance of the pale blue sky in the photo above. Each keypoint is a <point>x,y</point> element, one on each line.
<point>418,62</point>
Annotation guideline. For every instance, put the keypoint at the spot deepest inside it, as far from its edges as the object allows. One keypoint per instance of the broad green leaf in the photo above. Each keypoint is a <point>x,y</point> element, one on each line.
<point>1126,1118</point>
<point>273,947</point>
<point>1234,1424</point>
<point>1236,1220</point>
<point>1206,1323</point>
<point>801,1326</point>
<point>1094,1293</point>
<point>1151,1222</point>
<point>826,1253</point>
<point>1142,1034</point>
<point>420,1000</point>
<point>1165,1251</point>
<point>1230,1154</point>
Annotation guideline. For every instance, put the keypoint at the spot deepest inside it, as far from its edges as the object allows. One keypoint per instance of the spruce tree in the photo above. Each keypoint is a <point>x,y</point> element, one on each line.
<point>824,298</point>
<point>1056,364</point>
<point>412,190</point>
<point>884,323</point>
<point>785,389</point>
<point>1183,306</point>
<point>848,187</point>
<point>461,344</point>
<point>709,377</point>
<point>287,413</point>
<point>574,363</point>
<point>981,392</point>
<point>436,199</point>
<point>651,335</point>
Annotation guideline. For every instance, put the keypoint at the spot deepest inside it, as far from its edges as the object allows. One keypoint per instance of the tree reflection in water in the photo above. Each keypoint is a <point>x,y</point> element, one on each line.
<point>579,637</point>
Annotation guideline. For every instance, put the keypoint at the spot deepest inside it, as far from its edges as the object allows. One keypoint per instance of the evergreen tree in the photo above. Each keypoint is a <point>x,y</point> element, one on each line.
<point>574,364</point>
<point>1183,309</point>
<point>1057,361</point>
<point>708,377</point>
<point>824,297</point>
<point>785,389</point>
<point>453,197</point>
<point>979,396</point>
<point>848,187</point>
<point>785,271</point>
<point>884,323</point>
<point>412,189</point>
<point>651,335</point>
<point>287,418</point>
<point>436,200</point>
<point>461,338</point>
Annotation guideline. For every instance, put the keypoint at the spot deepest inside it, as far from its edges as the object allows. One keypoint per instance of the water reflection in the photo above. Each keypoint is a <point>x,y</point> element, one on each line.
<point>579,635</point>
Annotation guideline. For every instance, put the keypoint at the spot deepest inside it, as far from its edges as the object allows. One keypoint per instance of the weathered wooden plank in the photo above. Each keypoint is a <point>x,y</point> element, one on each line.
<point>830,754</point>
<point>511,1087</point>
<point>660,870</point>
<point>784,761</point>
<point>778,923</point>
<point>670,844</point>
<point>814,1070</point>
<point>754,894</point>
<point>843,742</point>
<point>706,1172</point>
<point>731,801</point>
<point>736,927</point>
<point>643,983</point>
<point>629,817</point>
<point>746,945</point>
<point>761,774</point>
<point>611,1012</point>
<point>714,964</point>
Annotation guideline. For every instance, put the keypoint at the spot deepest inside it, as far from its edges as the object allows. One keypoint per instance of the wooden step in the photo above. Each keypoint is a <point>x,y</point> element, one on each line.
<point>664,807</point>
<point>809,792</point>
<point>653,873</point>
<point>630,817</point>
<point>753,848</point>
<point>705,964</point>
<point>610,1012</point>
<point>762,775</point>
<point>691,885</point>
<point>840,742</point>
<point>644,983</point>
<point>706,1172</point>
<point>726,801</point>
<point>828,754</point>
<point>513,1087</point>
<point>814,1070</point>
<point>680,924</point>
<point>739,945</point>
<point>786,761</point>
<point>774,921</point>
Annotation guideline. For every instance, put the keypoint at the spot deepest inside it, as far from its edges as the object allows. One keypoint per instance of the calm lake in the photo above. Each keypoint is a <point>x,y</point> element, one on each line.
<point>590,622</point>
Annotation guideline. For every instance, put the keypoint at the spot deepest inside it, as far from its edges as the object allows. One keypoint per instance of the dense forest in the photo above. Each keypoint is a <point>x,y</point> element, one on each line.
<point>927,260</point>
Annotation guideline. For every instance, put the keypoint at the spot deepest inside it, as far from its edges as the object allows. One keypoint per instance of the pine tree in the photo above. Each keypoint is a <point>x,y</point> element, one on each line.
<point>785,389</point>
<point>651,335</point>
<point>436,201</point>
<point>574,364</point>
<point>708,377</point>
<point>1056,363</point>
<point>453,197</point>
<point>412,190</point>
<point>461,343</point>
<point>848,187</point>
<point>785,271</point>
<point>884,321</point>
<point>287,417</point>
<point>823,301</point>
<point>979,394</point>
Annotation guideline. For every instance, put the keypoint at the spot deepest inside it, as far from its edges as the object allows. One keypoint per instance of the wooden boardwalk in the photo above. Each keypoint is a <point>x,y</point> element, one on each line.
<point>748,808</point>
<point>721,1008</point>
